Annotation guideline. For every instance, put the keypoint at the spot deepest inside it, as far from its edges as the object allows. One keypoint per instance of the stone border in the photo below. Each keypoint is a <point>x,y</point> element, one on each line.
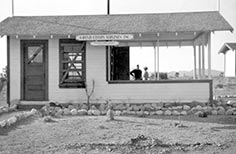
<point>19,117</point>
<point>226,96</point>
<point>123,109</point>
<point>144,109</point>
<point>4,109</point>
<point>120,109</point>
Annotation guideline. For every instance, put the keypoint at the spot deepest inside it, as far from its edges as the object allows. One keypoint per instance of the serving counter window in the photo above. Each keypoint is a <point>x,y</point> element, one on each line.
<point>124,61</point>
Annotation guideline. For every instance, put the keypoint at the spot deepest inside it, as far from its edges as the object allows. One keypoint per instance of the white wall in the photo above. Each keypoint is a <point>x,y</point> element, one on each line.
<point>96,70</point>
<point>15,70</point>
<point>230,64</point>
<point>54,92</point>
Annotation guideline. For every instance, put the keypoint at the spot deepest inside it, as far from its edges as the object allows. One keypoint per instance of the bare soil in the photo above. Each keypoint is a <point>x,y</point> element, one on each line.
<point>3,96</point>
<point>125,135</point>
<point>3,102</point>
<point>224,86</point>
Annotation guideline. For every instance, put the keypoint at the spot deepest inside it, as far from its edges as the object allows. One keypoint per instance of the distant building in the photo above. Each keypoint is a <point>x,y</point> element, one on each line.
<point>229,51</point>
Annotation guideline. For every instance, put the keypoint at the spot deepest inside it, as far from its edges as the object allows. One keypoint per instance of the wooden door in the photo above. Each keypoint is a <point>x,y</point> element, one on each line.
<point>120,63</point>
<point>34,70</point>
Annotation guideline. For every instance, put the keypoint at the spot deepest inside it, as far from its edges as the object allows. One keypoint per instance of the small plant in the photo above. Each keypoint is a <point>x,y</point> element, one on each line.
<point>110,112</point>
<point>203,115</point>
<point>1,86</point>
<point>89,94</point>
<point>48,119</point>
<point>219,86</point>
<point>3,81</point>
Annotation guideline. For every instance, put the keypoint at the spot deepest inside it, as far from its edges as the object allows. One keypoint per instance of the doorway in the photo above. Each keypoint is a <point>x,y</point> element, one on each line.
<point>34,70</point>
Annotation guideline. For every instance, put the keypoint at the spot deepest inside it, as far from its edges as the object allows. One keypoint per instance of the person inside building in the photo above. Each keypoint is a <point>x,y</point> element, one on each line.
<point>136,73</point>
<point>146,75</point>
<point>177,75</point>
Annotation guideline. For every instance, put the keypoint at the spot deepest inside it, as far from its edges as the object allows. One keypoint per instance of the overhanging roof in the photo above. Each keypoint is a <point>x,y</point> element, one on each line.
<point>123,23</point>
<point>228,46</point>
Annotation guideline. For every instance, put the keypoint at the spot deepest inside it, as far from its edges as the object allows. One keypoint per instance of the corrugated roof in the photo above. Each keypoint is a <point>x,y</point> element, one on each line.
<point>123,23</point>
<point>228,46</point>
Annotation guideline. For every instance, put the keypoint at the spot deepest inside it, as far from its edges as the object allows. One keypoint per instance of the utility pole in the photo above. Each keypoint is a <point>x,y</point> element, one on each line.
<point>218,5</point>
<point>12,8</point>
<point>108,7</point>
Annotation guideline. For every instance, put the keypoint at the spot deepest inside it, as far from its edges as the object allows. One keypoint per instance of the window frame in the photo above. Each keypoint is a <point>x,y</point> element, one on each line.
<point>112,81</point>
<point>76,83</point>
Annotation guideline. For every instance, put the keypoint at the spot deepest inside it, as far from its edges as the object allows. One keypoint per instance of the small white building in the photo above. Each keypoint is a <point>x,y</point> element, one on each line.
<point>55,57</point>
<point>229,51</point>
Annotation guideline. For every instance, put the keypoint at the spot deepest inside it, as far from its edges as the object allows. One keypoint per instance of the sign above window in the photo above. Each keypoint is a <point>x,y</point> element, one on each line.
<point>105,43</point>
<point>105,37</point>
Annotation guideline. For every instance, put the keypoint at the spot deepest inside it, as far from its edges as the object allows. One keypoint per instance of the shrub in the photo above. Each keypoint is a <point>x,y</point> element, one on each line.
<point>219,86</point>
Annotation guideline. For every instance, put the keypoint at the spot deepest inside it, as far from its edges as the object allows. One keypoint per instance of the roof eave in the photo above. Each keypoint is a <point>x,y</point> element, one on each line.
<point>4,33</point>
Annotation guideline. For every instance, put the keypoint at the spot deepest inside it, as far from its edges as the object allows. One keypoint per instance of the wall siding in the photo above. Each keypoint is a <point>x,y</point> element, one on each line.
<point>230,64</point>
<point>15,70</point>
<point>56,93</point>
<point>96,70</point>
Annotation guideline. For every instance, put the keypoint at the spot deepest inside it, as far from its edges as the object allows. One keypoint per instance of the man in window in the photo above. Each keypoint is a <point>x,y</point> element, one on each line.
<point>136,73</point>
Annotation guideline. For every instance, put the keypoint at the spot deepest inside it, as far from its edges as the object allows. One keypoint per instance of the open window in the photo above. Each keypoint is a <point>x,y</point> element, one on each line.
<point>72,63</point>
<point>123,59</point>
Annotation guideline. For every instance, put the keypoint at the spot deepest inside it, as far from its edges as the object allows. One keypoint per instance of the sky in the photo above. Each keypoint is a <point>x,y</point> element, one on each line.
<point>171,59</point>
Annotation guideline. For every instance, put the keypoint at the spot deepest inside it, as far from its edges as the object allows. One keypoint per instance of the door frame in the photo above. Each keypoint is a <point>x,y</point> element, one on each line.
<point>22,43</point>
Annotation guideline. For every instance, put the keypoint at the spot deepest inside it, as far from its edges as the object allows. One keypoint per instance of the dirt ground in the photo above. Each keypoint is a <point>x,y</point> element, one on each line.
<point>125,135</point>
<point>224,86</point>
<point>2,102</point>
<point>3,95</point>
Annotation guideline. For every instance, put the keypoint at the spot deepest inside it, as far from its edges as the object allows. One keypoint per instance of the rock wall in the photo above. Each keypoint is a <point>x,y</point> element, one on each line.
<point>145,109</point>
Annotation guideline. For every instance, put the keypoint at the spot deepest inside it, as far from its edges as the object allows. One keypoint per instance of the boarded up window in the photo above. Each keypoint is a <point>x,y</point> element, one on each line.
<point>72,63</point>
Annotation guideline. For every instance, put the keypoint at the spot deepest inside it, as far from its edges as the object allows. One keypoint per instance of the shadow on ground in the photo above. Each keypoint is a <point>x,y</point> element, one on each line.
<point>4,131</point>
<point>219,119</point>
<point>136,122</point>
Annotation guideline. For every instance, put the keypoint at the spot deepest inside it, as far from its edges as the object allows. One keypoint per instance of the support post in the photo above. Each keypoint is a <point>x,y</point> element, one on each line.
<point>155,63</point>
<point>195,63</point>
<point>209,55</point>
<point>224,64</point>
<point>203,61</point>
<point>158,60</point>
<point>8,71</point>
<point>199,62</point>
<point>235,62</point>
<point>108,62</point>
